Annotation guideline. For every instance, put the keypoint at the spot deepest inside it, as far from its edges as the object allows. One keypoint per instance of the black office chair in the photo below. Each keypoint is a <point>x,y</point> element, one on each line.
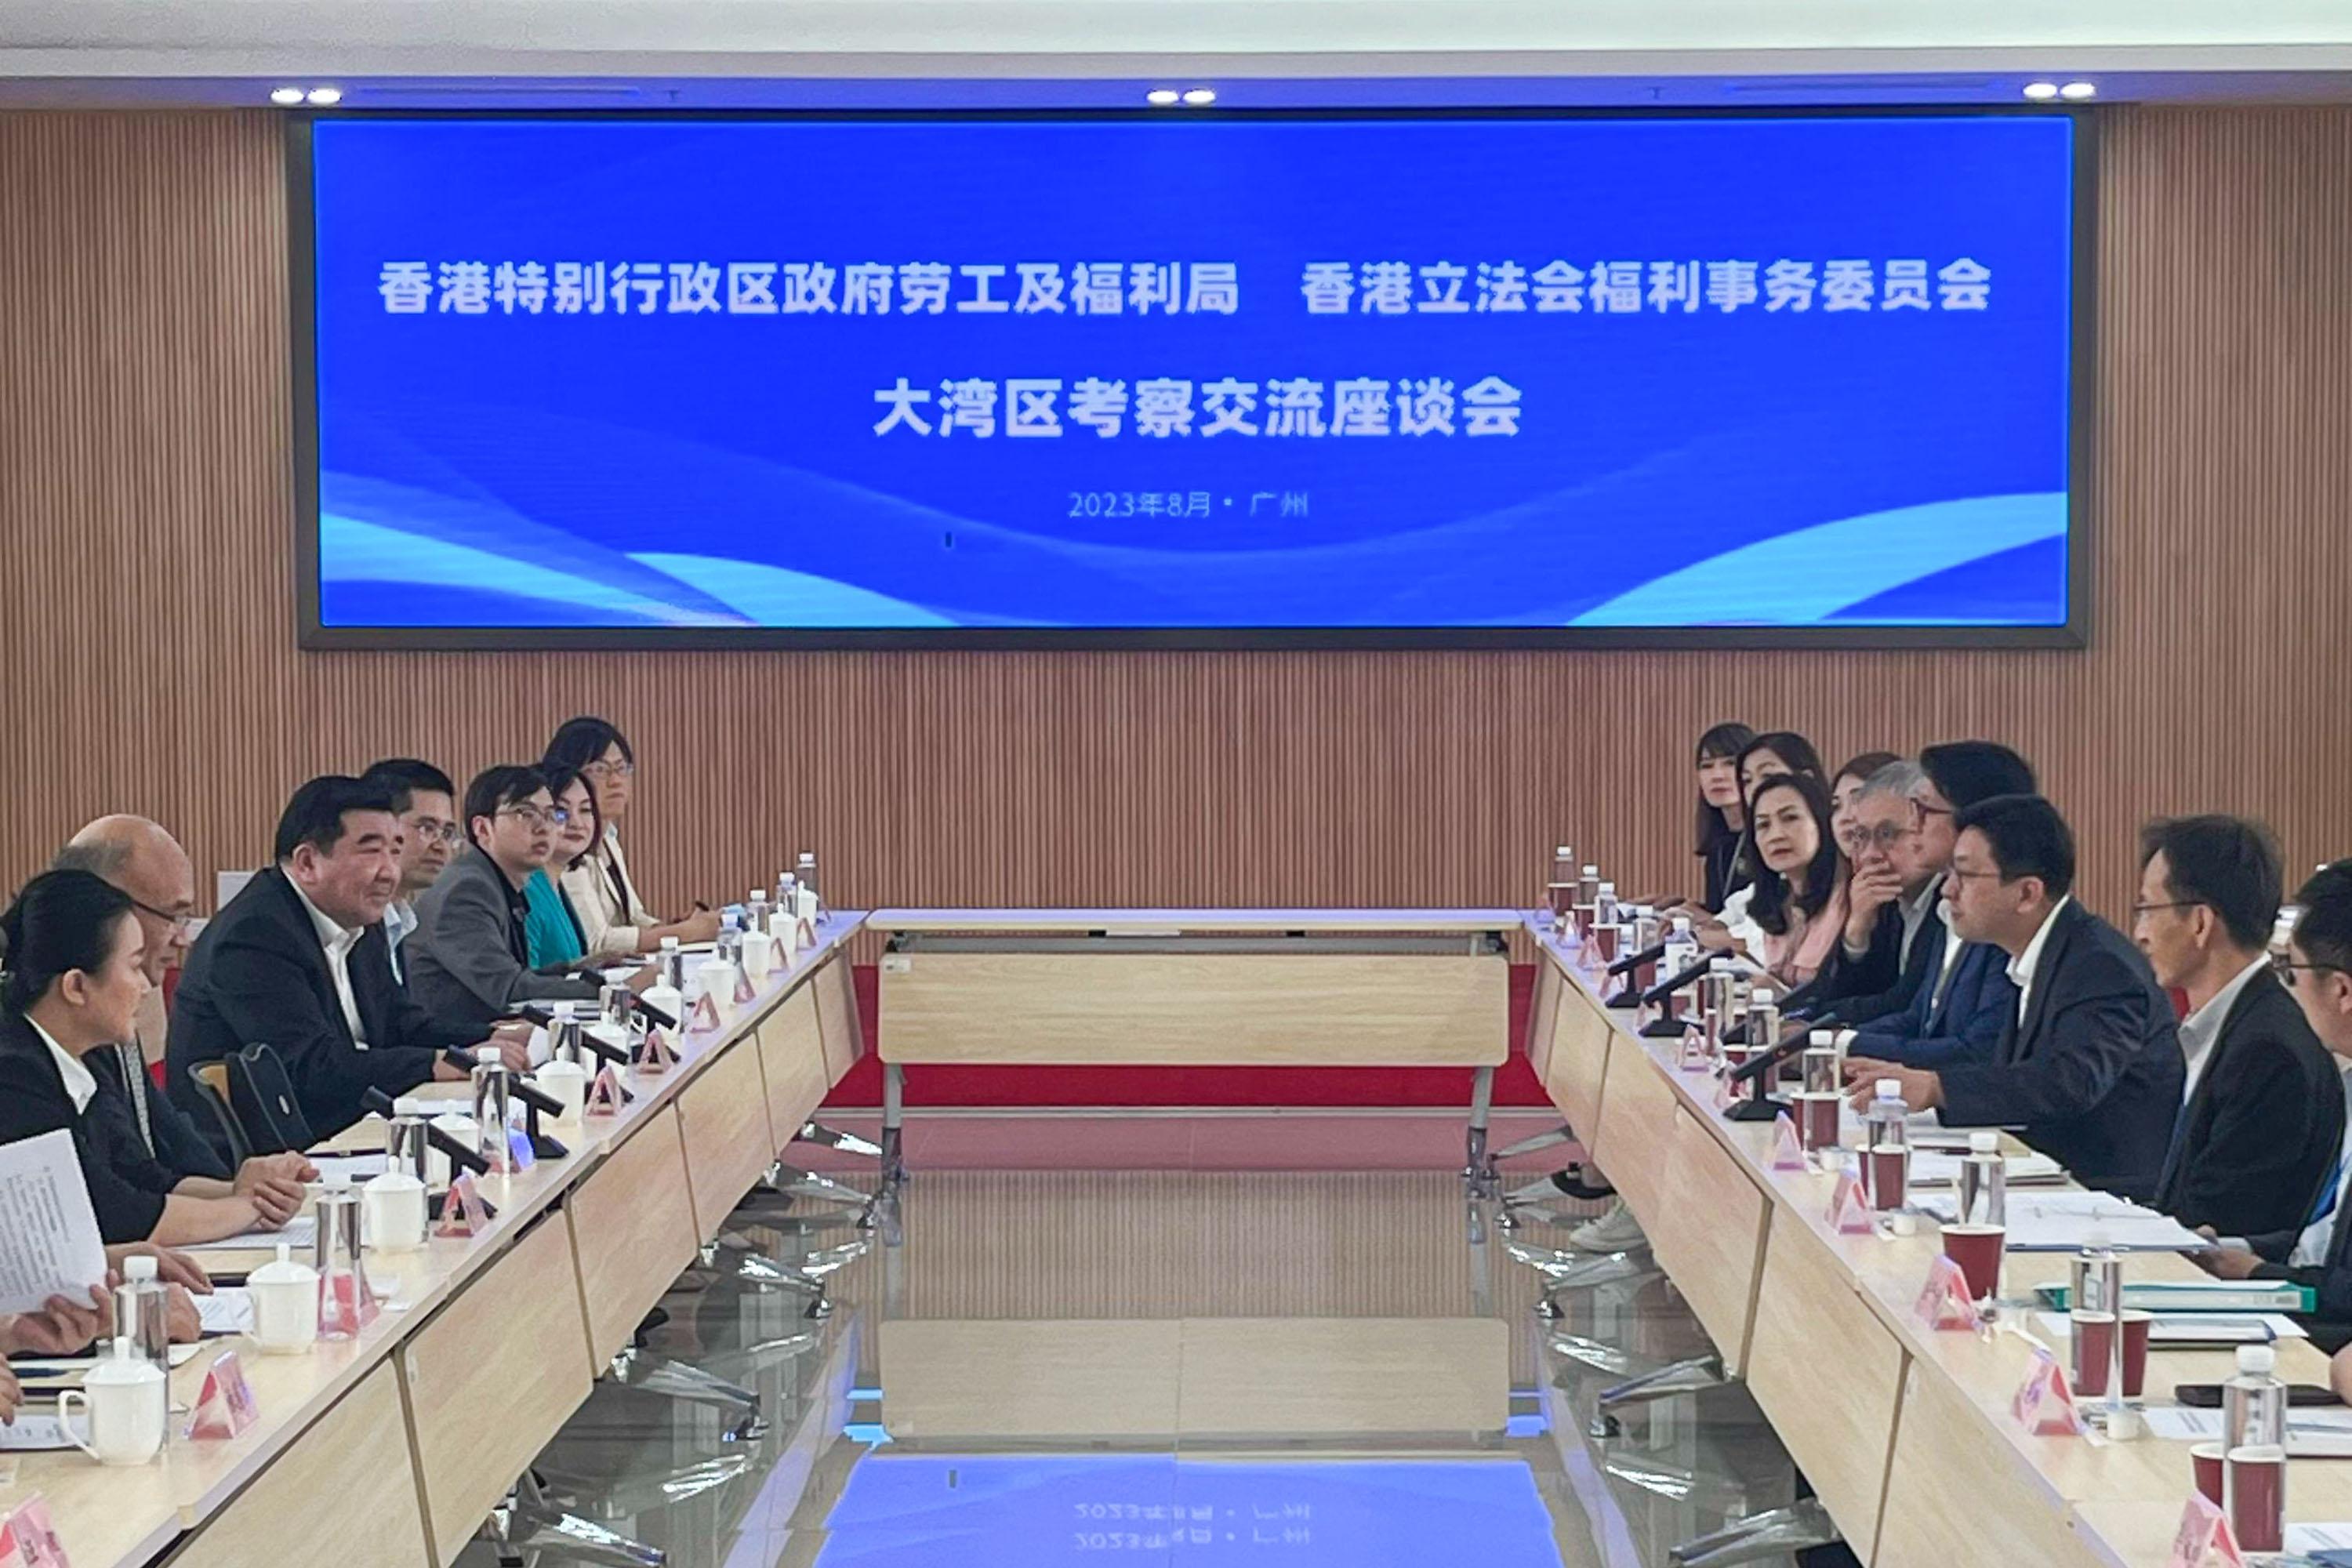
<point>211,1080</point>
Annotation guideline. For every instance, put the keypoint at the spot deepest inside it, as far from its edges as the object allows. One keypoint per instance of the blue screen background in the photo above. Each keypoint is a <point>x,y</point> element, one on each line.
<point>1669,469</point>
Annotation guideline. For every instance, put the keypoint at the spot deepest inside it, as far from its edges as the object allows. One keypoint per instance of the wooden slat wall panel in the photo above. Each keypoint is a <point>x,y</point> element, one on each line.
<point>146,614</point>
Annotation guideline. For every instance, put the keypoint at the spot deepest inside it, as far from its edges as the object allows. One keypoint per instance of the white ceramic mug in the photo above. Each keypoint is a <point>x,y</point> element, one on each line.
<point>124,1405</point>
<point>393,1214</point>
<point>566,1083</point>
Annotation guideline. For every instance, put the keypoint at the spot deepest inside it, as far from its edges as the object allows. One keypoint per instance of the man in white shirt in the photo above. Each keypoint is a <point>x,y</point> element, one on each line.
<point>2261,1115</point>
<point>2316,966</point>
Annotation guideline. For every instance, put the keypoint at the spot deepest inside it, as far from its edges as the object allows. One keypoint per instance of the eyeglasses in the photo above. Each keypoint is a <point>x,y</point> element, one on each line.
<point>435,832</point>
<point>1886,835</point>
<point>1925,811</point>
<point>533,816</point>
<point>1972,875</point>
<point>2284,967</point>
<point>181,926</point>
<point>604,769</point>
<point>2139,909</point>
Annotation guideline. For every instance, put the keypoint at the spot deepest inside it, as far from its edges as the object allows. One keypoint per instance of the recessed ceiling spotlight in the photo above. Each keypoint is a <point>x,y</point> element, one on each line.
<point>325,97</point>
<point>285,97</point>
<point>1200,97</point>
<point>2075,91</point>
<point>1162,97</point>
<point>2040,91</point>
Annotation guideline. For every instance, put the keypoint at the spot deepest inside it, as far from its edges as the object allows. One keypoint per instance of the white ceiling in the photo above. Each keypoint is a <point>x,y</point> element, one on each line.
<point>1627,50</point>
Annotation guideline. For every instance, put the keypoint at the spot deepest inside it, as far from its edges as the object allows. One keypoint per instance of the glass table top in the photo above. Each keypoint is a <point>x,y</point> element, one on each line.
<point>1040,1364</point>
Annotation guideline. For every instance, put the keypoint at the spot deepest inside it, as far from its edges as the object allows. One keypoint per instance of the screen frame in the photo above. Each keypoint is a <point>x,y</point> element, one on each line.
<point>2082,363</point>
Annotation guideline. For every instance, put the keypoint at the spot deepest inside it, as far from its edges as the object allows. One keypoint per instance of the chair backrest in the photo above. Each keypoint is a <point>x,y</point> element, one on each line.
<point>211,1080</point>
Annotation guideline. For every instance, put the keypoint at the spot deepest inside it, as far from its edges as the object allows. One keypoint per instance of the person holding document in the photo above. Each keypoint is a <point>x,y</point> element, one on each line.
<point>72,974</point>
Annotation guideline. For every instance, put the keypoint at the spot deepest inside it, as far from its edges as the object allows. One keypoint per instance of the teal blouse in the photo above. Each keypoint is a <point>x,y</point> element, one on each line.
<point>549,930</point>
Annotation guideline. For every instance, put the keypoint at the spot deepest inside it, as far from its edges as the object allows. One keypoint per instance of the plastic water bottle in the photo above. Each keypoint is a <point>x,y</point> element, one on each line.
<point>2253,1461</point>
<point>142,1311</point>
<point>1984,1182</point>
<point>1886,1163</point>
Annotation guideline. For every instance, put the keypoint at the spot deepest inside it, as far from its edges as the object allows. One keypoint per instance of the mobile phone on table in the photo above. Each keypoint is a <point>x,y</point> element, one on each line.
<point>2208,1396</point>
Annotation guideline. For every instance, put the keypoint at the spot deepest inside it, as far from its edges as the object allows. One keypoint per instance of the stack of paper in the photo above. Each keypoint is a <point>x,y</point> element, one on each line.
<point>2178,1331</point>
<point>301,1233</point>
<point>1932,1168</point>
<point>2310,1434</point>
<point>2068,1222</point>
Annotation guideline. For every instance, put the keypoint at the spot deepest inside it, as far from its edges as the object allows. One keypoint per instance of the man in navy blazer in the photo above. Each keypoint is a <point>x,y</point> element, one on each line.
<point>2263,1118</point>
<point>2089,1067</point>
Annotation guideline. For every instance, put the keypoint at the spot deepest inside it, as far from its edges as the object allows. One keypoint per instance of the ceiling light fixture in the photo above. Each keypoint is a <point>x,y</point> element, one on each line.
<point>1200,97</point>
<point>285,97</point>
<point>1162,97</point>
<point>2040,91</point>
<point>325,97</point>
<point>2076,91</point>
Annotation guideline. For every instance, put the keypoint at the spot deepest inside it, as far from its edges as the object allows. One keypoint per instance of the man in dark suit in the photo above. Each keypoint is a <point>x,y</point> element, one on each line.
<point>469,960</point>
<point>2316,970</point>
<point>2089,1067</point>
<point>2263,1118</point>
<point>298,962</point>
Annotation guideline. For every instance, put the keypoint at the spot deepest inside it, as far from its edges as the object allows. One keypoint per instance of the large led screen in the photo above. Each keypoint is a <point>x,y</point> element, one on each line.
<point>1181,379</point>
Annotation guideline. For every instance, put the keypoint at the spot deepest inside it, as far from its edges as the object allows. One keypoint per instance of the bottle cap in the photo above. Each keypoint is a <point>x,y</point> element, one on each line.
<point>139,1266</point>
<point>2256,1358</point>
<point>1592,871</point>
<point>1821,1038</point>
<point>1890,1089</point>
<point>1984,1142</point>
<point>669,944</point>
<point>756,896</point>
<point>1682,925</point>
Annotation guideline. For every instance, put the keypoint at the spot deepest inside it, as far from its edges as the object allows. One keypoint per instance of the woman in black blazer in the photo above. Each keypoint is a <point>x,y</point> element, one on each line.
<point>71,979</point>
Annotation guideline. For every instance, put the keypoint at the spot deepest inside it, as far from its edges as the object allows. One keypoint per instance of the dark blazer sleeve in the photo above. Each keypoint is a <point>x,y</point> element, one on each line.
<point>33,1101</point>
<point>2266,1147</point>
<point>465,931</point>
<point>264,994</point>
<point>178,1145</point>
<point>1978,1004</point>
<point>396,1022</point>
<point>2087,1040</point>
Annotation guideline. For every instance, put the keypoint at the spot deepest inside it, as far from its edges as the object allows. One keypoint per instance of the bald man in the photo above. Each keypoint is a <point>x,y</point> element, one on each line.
<point>147,863</point>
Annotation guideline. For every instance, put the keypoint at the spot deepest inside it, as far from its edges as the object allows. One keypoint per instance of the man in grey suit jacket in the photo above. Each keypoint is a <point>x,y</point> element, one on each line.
<point>467,960</point>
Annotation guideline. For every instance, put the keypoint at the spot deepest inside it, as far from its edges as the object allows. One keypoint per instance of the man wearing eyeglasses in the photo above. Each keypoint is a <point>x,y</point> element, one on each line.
<point>2315,967</point>
<point>469,958</point>
<point>426,805</point>
<point>2262,1116</point>
<point>145,862</point>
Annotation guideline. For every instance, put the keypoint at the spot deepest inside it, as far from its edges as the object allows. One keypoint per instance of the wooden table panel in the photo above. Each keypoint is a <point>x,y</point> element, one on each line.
<point>1541,1011</point>
<point>633,1232</point>
<point>723,1117</point>
<point>1635,1127</point>
<point>1580,1034</point>
<point>1709,1233</point>
<point>350,1478</point>
<point>1114,1008</point>
<point>837,1010</point>
<point>1030,1379</point>
<point>1829,1376</point>
<point>1273,1377</point>
<point>491,1378</point>
<point>793,1060</point>
<point>1956,1497</point>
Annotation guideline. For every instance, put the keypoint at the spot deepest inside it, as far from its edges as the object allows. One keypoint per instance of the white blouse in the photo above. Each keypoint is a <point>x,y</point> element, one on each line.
<point>611,913</point>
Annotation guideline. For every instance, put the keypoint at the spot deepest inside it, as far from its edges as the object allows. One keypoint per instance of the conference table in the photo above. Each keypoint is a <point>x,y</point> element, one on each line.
<point>1166,987</point>
<point>1905,1432</point>
<point>390,1449</point>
